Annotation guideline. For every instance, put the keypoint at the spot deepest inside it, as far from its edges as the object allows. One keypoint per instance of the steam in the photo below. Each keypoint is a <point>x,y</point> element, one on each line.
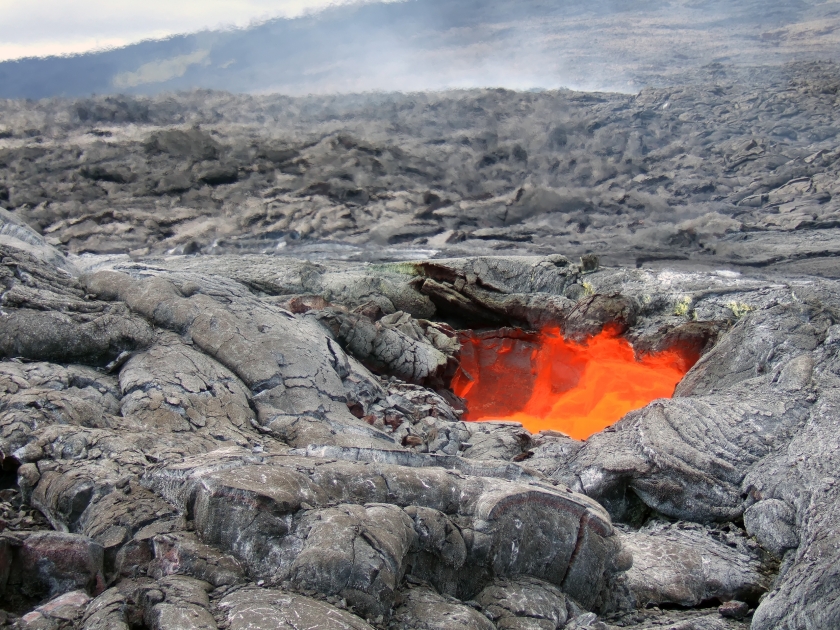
<point>416,45</point>
<point>160,71</point>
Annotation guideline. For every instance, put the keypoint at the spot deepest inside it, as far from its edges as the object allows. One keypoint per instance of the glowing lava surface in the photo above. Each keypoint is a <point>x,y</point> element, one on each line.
<point>546,382</point>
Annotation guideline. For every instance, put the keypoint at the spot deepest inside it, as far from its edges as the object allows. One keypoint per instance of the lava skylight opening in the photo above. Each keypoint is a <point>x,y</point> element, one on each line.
<point>547,382</point>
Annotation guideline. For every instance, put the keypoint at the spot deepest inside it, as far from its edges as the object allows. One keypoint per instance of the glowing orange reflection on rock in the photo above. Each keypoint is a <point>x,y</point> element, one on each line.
<point>546,382</point>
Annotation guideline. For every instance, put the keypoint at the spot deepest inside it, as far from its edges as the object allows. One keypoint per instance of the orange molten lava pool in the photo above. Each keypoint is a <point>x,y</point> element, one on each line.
<point>546,382</point>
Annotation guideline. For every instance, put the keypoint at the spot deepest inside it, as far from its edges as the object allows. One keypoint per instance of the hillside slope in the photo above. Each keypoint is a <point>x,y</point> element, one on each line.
<point>434,44</point>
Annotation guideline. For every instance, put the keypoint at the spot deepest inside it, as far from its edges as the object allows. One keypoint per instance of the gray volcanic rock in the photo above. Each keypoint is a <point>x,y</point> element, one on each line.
<point>591,314</point>
<point>686,565</point>
<point>46,316</point>
<point>178,602</point>
<point>182,553</point>
<point>53,563</point>
<point>59,612</point>
<point>772,522</point>
<point>254,340</point>
<point>39,394</point>
<point>524,603</point>
<point>173,386</point>
<point>19,235</point>
<point>556,535</point>
<point>350,528</point>
<point>365,508</point>
<point>424,609</point>
<point>249,440</point>
<point>721,168</point>
<point>268,608</point>
<point>396,344</point>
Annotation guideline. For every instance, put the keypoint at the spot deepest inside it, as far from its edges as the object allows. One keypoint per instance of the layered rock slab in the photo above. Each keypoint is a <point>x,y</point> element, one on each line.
<point>293,370</point>
<point>686,565</point>
<point>500,528</point>
<point>724,446</point>
<point>174,387</point>
<point>47,316</point>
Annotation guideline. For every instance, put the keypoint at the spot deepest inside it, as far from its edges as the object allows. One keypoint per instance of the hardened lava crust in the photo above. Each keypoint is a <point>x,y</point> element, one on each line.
<point>225,361</point>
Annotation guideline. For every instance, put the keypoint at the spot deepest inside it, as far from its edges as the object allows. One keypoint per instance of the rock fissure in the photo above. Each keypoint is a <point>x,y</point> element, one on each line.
<point>204,434</point>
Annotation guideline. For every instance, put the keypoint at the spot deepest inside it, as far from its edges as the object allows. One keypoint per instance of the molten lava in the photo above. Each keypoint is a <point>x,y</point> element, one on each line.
<point>546,382</point>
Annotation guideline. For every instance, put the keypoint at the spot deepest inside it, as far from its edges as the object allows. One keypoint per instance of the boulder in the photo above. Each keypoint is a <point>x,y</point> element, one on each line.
<point>560,536</point>
<point>524,603</point>
<point>181,553</point>
<point>686,565</point>
<point>253,607</point>
<point>60,611</point>
<point>772,523</point>
<point>47,564</point>
<point>421,608</point>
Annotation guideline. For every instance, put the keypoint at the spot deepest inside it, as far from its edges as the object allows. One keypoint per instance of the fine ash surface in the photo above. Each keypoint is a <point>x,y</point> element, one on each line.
<point>250,440</point>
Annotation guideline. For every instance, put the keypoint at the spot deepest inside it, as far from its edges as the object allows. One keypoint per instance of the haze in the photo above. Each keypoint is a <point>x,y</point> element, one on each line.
<point>40,28</point>
<point>397,46</point>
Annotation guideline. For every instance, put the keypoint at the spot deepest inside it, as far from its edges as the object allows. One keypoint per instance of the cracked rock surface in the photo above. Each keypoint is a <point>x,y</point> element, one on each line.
<point>247,440</point>
<point>238,465</point>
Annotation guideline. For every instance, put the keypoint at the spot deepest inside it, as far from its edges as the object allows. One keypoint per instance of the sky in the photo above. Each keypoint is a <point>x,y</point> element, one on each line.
<point>36,28</point>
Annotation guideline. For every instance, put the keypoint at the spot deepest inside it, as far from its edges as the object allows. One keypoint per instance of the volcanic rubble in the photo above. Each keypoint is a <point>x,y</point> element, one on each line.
<point>247,441</point>
<point>733,167</point>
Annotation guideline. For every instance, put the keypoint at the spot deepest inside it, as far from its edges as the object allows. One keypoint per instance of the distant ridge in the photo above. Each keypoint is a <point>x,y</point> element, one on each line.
<point>434,44</point>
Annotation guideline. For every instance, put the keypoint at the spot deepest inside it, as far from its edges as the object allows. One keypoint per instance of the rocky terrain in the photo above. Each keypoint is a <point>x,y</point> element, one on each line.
<point>228,326</point>
<point>737,170</point>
